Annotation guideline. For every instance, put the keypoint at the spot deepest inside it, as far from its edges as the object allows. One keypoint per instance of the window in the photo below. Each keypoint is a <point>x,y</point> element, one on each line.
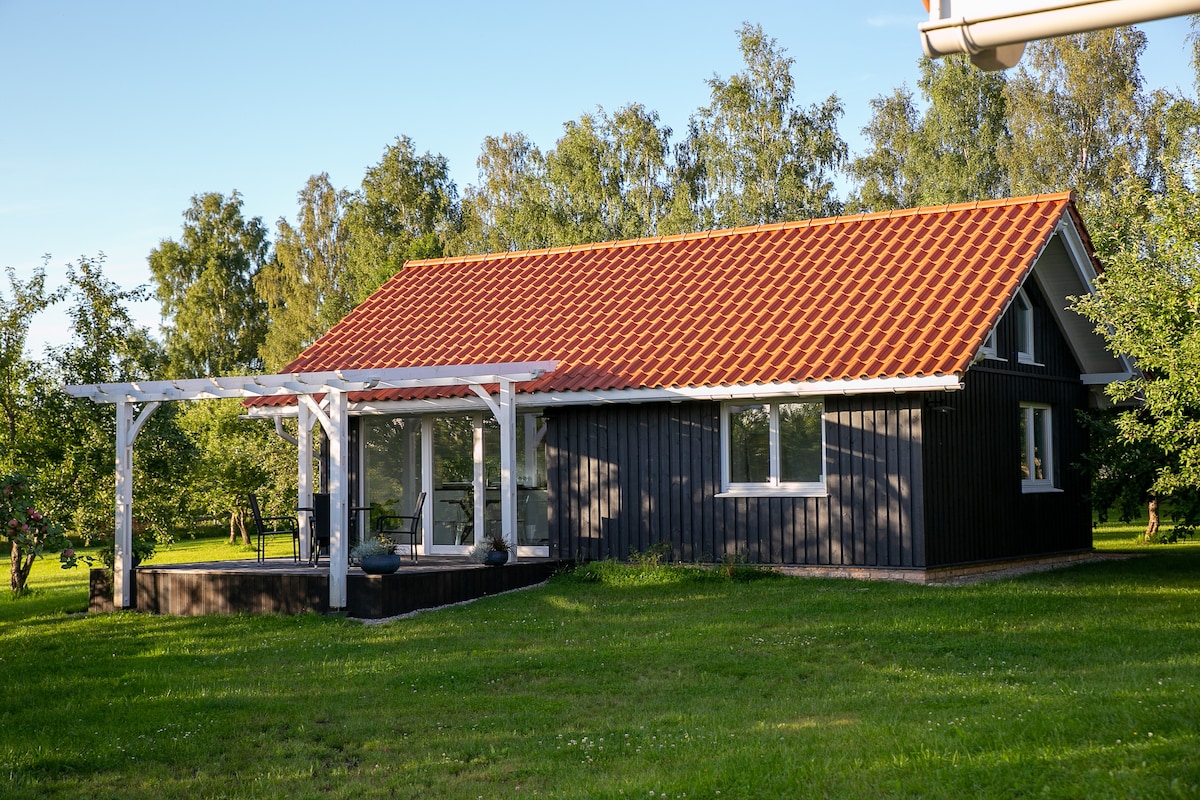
<point>1037,448</point>
<point>1023,311</point>
<point>989,346</point>
<point>774,447</point>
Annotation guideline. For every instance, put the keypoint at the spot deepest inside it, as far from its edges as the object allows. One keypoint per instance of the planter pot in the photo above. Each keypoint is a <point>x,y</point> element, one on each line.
<point>495,558</point>
<point>384,564</point>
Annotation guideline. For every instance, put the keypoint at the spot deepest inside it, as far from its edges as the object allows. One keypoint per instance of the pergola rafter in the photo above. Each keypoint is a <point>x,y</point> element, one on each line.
<point>333,415</point>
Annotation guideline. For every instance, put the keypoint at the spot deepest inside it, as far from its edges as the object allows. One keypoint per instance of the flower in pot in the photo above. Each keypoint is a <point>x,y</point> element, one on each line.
<point>493,551</point>
<point>375,557</point>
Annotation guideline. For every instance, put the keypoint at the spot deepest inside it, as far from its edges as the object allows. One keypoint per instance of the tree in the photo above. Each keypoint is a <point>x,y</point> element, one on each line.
<point>71,439</point>
<point>1147,305</point>
<point>1077,116</point>
<point>205,283</point>
<point>510,209</point>
<point>26,299</point>
<point>607,176</point>
<point>304,285</point>
<point>639,155</point>
<point>25,528</point>
<point>753,155</point>
<point>886,174</point>
<point>946,153</point>
<point>235,456</point>
<point>406,209</point>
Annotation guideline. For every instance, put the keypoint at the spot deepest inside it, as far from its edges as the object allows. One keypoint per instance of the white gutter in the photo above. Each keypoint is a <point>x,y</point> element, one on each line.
<point>995,38</point>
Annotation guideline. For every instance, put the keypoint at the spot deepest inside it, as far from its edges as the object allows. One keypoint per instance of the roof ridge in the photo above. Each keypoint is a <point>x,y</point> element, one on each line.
<point>898,213</point>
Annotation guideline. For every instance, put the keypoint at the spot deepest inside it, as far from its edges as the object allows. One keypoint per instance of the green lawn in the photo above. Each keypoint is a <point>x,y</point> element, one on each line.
<point>654,683</point>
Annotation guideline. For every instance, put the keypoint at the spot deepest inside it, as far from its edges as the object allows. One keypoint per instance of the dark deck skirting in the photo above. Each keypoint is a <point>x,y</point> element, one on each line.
<point>283,587</point>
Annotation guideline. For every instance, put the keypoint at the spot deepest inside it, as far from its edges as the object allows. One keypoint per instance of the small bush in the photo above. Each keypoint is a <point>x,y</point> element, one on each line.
<point>649,568</point>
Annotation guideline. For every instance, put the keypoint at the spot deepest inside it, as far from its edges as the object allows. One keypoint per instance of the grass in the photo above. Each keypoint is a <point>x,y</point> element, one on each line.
<point>643,682</point>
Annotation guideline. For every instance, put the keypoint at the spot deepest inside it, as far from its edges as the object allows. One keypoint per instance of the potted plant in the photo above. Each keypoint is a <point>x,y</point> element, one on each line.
<point>144,548</point>
<point>375,557</point>
<point>493,551</point>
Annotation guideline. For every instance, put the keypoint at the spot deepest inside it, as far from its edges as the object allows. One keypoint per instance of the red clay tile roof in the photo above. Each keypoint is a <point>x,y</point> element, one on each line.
<point>888,295</point>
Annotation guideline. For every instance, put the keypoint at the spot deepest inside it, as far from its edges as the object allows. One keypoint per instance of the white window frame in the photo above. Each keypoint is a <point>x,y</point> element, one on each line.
<point>1023,321</point>
<point>989,346</point>
<point>1029,447</point>
<point>773,487</point>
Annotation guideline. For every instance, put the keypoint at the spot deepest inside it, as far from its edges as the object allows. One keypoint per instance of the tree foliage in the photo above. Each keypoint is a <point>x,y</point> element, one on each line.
<point>213,319</point>
<point>608,176</point>
<point>72,442</point>
<point>945,153</point>
<point>510,207</point>
<point>18,374</point>
<point>1147,305</point>
<point>753,155</point>
<point>407,208</point>
<point>235,456</point>
<point>304,285</point>
<point>1077,115</point>
<point>27,531</point>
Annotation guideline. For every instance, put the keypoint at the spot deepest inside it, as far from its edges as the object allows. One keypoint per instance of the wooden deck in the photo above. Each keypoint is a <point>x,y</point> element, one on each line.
<point>281,586</point>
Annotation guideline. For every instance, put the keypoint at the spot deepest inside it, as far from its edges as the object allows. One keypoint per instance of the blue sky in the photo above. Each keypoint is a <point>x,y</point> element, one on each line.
<point>116,113</point>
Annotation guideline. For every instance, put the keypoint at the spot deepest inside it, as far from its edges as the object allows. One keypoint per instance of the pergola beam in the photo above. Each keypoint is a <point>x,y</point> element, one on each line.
<point>310,383</point>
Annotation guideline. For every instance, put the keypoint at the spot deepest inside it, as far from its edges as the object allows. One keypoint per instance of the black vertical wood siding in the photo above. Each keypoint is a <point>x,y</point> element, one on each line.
<point>975,509</point>
<point>624,478</point>
<point>913,480</point>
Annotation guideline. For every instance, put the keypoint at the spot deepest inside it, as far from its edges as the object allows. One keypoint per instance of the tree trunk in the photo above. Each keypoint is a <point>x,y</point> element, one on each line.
<point>15,582</point>
<point>19,570</point>
<point>1151,518</point>
<point>237,522</point>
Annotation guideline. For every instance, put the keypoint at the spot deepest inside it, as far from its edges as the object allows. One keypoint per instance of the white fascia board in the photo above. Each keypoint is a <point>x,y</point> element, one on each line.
<point>1085,268</point>
<point>930,383</point>
<point>1080,256</point>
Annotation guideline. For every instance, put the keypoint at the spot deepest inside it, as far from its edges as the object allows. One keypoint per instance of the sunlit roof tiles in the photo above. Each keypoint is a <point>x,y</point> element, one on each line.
<point>886,295</point>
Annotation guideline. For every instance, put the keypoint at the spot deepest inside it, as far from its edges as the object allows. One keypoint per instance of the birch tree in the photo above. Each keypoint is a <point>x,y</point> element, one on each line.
<point>213,319</point>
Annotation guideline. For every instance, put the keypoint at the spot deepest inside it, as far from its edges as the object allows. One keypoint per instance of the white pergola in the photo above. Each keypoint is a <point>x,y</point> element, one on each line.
<point>332,411</point>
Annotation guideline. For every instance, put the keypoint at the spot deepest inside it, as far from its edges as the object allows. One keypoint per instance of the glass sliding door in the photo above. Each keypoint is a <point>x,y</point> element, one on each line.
<point>453,495</point>
<point>455,459</point>
<point>392,459</point>
<point>533,529</point>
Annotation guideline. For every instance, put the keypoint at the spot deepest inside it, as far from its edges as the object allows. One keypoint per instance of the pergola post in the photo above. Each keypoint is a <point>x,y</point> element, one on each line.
<point>127,431</point>
<point>505,412</point>
<point>508,466</point>
<point>304,475</point>
<point>339,496</point>
<point>123,531</point>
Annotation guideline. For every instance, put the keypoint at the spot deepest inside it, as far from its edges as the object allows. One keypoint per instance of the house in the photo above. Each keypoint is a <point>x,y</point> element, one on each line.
<point>884,394</point>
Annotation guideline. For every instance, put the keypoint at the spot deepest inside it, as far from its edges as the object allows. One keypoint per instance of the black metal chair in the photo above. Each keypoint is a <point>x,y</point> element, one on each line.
<point>318,526</point>
<point>390,526</point>
<point>274,526</point>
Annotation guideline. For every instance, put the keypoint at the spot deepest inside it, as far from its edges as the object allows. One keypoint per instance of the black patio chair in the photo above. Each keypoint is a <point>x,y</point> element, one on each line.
<point>274,526</point>
<point>318,526</point>
<point>390,526</point>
